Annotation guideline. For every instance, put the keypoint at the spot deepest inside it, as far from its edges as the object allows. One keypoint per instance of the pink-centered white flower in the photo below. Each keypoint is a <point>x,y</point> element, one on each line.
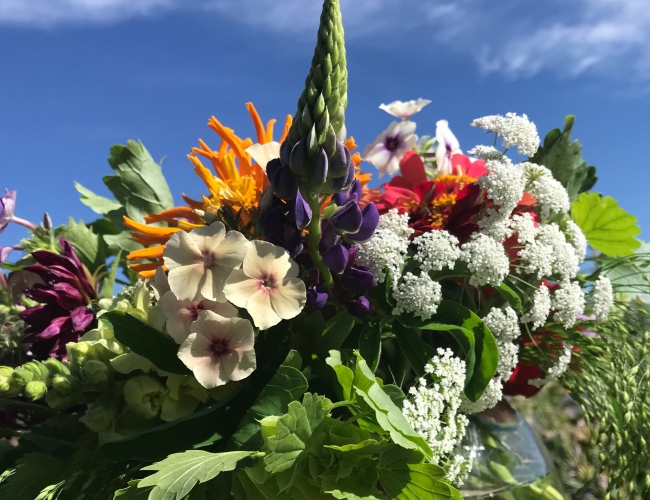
<point>448,146</point>
<point>219,349</point>
<point>181,314</point>
<point>264,153</point>
<point>267,285</point>
<point>390,147</point>
<point>404,110</point>
<point>201,261</point>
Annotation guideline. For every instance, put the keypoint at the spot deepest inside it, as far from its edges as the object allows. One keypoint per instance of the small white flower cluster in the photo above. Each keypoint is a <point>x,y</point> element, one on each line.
<point>387,247</point>
<point>486,152</point>
<point>504,183</point>
<point>550,254</point>
<point>603,298</point>
<point>436,249</point>
<point>523,226</point>
<point>492,395</point>
<point>459,467</point>
<point>549,192</point>
<point>504,325</point>
<point>486,260</point>
<point>568,302</point>
<point>433,411</point>
<point>557,370</point>
<point>541,308</point>
<point>577,239</point>
<point>419,295</point>
<point>515,130</point>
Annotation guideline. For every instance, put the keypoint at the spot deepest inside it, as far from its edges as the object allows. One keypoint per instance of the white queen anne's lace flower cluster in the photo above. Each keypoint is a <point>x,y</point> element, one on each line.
<point>419,295</point>
<point>504,325</point>
<point>550,254</point>
<point>436,250</point>
<point>492,395</point>
<point>432,410</point>
<point>459,467</point>
<point>577,239</point>
<point>515,130</point>
<point>541,308</point>
<point>558,368</point>
<point>568,302</point>
<point>486,152</point>
<point>549,192</point>
<point>603,298</point>
<point>387,247</point>
<point>486,260</point>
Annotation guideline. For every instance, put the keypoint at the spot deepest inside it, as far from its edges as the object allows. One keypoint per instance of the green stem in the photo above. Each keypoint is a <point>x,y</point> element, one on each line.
<point>314,242</point>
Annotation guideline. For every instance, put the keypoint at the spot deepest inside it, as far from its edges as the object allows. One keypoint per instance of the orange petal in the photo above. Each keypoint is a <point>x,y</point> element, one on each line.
<point>147,253</point>
<point>257,122</point>
<point>223,149</point>
<point>269,130</point>
<point>192,203</point>
<point>356,159</point>
<point>146,239</point>
<point>287,127</point>
<point>205,175</point>
<point>234,142</point>
<point>350,144</point>
<point>188,226</point>
<point>172,214</point>
<point>143,275</point>
<point>149,230</point>
<point>149,266</point>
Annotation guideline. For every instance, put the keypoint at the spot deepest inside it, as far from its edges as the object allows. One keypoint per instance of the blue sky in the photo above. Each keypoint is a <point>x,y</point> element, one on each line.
<point>80,75</point>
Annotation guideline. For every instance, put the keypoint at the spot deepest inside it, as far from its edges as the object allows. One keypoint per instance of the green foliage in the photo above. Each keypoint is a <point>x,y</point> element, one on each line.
<point>179,473</point>
<point>564,159</point>
<point>628,274</point>
<point>109,281</point>
<point>132,492</point>
<point>87,245</point>
<point>34,472</point>
<point>146,341</point>
<point>370,344</point>
<point>608,228</point>
<point>96,203</point>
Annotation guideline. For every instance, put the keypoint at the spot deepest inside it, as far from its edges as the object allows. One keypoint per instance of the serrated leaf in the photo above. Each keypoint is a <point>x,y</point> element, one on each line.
<point>607,227</point>
<point>34,472</point>
<point>98,204</point>
<point>179,473</point>
<point>132,492</point>
<point>88,246</point>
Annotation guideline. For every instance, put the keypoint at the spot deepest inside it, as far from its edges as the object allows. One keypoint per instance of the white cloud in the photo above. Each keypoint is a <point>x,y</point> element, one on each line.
<point>516,38</point>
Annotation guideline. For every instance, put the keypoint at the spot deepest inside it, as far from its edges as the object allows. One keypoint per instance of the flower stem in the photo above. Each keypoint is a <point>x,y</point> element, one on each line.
<point>23,222</point>
<point>314,242</point>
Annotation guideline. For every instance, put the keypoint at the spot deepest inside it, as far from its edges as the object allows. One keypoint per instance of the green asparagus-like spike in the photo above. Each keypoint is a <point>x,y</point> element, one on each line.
<point>321,108</point>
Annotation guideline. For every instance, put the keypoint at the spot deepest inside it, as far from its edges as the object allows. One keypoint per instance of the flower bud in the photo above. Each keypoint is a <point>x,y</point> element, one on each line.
<point>47,221</point>
<point>55,367</point>
<point>95,373</point>
<point>80,352</point>
<point>320,172</point>
<point>8,384</point>
<point>23,376</point>
<point>299,159</point>
<point>339,163</point>
<point>36,390</point>
<point>144,395</point>
<point>285,183</point>
<point>100,415</point>
<point>60,401</point>
<point>63,383</point>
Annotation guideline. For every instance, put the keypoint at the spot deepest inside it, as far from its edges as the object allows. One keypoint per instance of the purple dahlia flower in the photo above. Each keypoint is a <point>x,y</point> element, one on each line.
<point>63,314</point>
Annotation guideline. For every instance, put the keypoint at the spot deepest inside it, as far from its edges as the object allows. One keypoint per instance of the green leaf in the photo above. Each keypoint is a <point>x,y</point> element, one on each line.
<point>179,473</point>
<point>608,228</point>
<point>404,476</point>
<point>98,204</point>
<point>88,246</point>
<point>344,375</point>
<point>132,492</point>
<point>34,472</point>
<point>294,430</point>
<point>336,331</point>
<point>146,341</point>
<point>109,281</point>
<point>564,159</point>
<point>388,415</point>
<point>370,344</point>
<point>509,294</point>
<point>139,184</point>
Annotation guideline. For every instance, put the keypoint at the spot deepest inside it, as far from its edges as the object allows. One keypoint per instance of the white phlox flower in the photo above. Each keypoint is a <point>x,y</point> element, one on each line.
<point>486,260</point>
<point>568,302</point>
<point>549,192</point>
<point>181,314</point>
<point>577,240</point>
<point>267,285</point>
<point>419,295</point>
<point>264,153</point>
<point>492,395</point>
<point>387,247</point>
<point>603,298</point>
<point>404,110</point>
<point>159,284</point>
<point>486,152</point>
<point>201,261</point>
<point>557,370</point>
<point>516,131</point>
<point>390,147</point>
<point>541,308</point>
<point>432,410</point>
<point>219,349</point>
<point>504,325</point>
<point>448,146</point>
<point>436,250</point>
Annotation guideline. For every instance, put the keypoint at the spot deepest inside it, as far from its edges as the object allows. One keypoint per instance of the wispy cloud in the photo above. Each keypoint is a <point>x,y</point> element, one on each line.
<point>515,38</point>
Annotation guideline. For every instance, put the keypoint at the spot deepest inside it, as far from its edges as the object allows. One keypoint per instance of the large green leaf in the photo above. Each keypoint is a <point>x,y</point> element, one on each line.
<point>98,204</point>
<point>564,159</point>
<point>88,246</point>
<point>109,281</point>
<point>132,492</point>
<point>335,332</point>
<point>370,343</point>
<point>387,413</point>
<point>608,228</point>
<point>405,476</point>
<point>139,184</point>
<point>34,472</point>
<point>146,341</point>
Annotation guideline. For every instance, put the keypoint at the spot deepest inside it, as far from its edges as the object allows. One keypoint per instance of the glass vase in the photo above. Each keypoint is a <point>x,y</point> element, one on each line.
<point>511,462</point>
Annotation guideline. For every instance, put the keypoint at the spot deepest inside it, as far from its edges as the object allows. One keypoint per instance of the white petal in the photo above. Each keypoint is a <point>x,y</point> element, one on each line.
<point>240,365</point>
<point>186,352</point>
<point>260,309</point>
<point>264,153</point>
<point>181,250</point>
<point>208,238</point>
<point>214,280</point>
<point>187,281</point>
<point>289,298</point>
<point>210,374</point>
<point>224,309</point>
<point>404,129</point>
<point>160,284</point>
<point>179,317</point>
<point>240,334</point>
<point>232,250</point>
<point>264,259</point>
<point>239,288</point>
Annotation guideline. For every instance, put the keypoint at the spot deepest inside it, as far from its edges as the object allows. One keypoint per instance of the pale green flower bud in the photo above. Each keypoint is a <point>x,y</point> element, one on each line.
<point>56,367</point>
<point>8,385</point>
<point>59,401</point>
<point>95,373</point>
<point>80,352</point>
<point>36,390</point>
<point>100,416</point>
<point>23,376</point>
<point>63,383</point>
<point>144,395</point>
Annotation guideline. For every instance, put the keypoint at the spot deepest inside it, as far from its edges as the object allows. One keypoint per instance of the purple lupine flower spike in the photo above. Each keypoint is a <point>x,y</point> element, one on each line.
<point>347,218</point>
<point>370,220</point>
<point>336,259</point>
<point>301,211</point>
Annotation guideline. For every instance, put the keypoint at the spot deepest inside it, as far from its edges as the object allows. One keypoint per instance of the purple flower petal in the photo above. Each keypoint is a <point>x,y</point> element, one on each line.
<point>359,307</point>
<point>302,211</point>
<point>320,172</point>
<point>55,327</point>
<point>357,280</point>
<point>347,218</point>
<point>316,297</point>
<point>81,318</point>
<point>7,206</point>
<point>368,227</point>
<point>336,259</point>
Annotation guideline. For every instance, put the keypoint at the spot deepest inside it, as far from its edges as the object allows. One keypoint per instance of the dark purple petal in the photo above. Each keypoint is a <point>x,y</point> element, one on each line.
<point>273,223</point>
<point>328,236</point>
<point>356,191</point>
<point>285,153</point>
<point>359,307</point>
<point>316,297</point>
<point>299,160</point>
<point>339,162</point>
<point>357,280</point>
<point>68,251</point>
<point>285,183</point>
<point>272,167</point>
<point>81,318</point>
<point>336,259</point>
<point>55,327</point>
<point>301,211</point>
<point>368,227</point>
<point>68,296</point>
<point>320,172</point>
<point>347,218</point>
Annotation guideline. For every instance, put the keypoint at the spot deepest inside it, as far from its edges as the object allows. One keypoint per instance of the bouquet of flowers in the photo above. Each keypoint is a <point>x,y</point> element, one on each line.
<point>295,334</point>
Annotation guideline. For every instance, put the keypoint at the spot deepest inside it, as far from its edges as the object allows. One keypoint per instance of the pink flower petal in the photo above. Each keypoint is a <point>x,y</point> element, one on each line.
<point>289,298</point>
